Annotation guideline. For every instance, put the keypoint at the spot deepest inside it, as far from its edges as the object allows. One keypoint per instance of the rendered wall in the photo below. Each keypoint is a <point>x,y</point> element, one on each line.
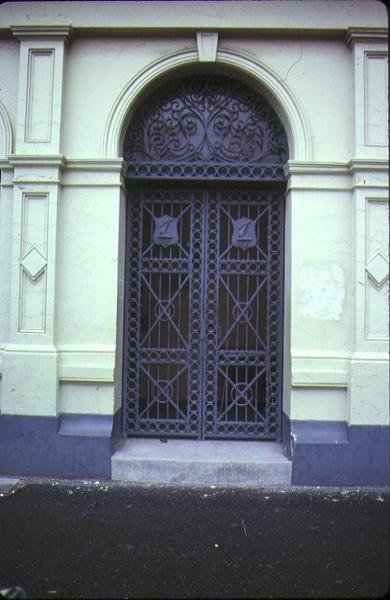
<point>78,74</point>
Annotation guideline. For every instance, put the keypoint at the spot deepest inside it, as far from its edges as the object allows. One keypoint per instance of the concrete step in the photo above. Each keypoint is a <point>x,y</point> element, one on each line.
<point>201,462</point>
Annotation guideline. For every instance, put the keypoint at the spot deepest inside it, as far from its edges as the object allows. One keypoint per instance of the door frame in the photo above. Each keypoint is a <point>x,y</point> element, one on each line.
<point>292,119</point>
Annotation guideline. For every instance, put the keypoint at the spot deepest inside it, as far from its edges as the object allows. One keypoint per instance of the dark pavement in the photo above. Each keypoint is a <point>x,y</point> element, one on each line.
<point>90,539</point>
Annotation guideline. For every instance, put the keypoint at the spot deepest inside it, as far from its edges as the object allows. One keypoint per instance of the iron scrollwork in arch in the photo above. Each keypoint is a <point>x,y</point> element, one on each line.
<point>206,125</point>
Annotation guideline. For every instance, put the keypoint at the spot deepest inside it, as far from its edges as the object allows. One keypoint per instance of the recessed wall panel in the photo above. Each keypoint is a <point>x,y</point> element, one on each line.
<point>33,263</point>
<point>32,307</point>
<point>376,99</point>
<point>377,270</point>
<point>39,96</point>
<point>34,219</point>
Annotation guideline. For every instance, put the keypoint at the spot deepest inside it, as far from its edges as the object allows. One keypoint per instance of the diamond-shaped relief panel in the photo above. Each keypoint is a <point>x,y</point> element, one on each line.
<point>378,268</point>
<point>33,263</point>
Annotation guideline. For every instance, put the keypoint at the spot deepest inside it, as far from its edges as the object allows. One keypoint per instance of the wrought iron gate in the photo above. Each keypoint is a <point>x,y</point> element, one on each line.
<point>203,314</point>
<point>204,310</point>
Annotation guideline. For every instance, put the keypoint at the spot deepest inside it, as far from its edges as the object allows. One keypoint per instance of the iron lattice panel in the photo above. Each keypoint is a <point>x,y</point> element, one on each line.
<point>164,308</point>
<point>204,313</point>
<point>242,391</point>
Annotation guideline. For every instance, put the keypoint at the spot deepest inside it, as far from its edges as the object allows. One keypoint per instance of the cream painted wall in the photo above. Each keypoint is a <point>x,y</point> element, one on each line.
<point>321,292</point>
<point>87,259</point>
<point>298,62</point>
<point>284,14</point>
<point>89,64</point>
<point>326,104</point>
<point>9,56</point>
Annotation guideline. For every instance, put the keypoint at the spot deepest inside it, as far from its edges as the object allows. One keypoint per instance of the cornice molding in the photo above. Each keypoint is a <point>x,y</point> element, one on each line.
<point>319,386</point>
<point>293,167</point>
<point>348,34</point>
<point>368,164</point>
<point>43,32</point>
<point>86,380</point>
<point>366,35</point>
<point>20,160</point>
<point>330,177</point>
<point>59,160</point>
<point>5,164</point>
<point>93,164</point>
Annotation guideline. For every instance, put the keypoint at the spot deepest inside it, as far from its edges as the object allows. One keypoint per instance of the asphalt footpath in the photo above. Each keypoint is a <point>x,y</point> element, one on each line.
<point>101,539</point>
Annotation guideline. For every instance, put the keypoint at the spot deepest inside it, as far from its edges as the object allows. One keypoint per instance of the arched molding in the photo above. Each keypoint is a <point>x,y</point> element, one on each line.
<point>5,134</point>
<point>272,88</point>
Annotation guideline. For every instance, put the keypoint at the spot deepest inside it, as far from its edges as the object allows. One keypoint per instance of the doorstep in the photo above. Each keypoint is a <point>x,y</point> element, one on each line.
<point>196,462</point>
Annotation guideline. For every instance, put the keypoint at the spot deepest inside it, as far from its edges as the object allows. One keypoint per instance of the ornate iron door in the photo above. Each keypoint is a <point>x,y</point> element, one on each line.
<point>204,311</point>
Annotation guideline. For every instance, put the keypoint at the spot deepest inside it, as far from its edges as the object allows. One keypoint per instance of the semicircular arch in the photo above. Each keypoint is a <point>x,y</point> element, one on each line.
<point>259,76</point>
<point>5,133</point>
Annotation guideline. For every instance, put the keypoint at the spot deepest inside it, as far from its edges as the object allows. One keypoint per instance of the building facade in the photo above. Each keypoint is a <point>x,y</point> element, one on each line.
<point>194,232</point>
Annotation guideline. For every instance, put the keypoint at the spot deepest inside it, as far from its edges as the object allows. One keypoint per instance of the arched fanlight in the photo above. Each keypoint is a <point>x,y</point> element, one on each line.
<point>206,126</point>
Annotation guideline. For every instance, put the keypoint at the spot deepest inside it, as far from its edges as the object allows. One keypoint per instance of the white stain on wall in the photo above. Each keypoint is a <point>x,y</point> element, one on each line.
<point>322,292</point>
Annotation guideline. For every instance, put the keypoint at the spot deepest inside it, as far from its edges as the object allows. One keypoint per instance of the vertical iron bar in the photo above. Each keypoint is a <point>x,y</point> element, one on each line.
<point>203,365</point>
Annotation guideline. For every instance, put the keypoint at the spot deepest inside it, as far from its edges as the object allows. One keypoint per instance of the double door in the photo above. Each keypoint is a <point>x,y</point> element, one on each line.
<point>203,317</point>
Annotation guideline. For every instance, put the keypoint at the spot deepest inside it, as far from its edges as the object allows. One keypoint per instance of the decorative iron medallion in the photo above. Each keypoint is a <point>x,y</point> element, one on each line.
<point>165,232</point>
<point>244,233</point>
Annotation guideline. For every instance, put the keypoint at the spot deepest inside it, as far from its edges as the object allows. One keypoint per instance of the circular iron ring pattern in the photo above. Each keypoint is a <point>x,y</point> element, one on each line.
<point>273,318</point>
<point>242,312</point>
<point>241,394</point>
<point>164,310</point>
<point>162,392</point>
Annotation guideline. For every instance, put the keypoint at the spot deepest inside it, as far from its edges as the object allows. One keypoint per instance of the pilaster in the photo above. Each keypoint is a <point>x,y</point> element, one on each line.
<point>368,387</point>
<point>369,377</point>
<point>369,49</point>
<point>30,382</point>
<point>41,74</point>
<point>30,359</point>
<point>318,309</point>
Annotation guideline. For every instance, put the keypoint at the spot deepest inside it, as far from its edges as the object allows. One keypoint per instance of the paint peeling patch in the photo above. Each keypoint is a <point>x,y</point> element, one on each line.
<point>322,292</point>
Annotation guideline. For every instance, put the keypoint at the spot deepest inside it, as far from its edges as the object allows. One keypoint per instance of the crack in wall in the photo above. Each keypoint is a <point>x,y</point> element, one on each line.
<point>297,61</point>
